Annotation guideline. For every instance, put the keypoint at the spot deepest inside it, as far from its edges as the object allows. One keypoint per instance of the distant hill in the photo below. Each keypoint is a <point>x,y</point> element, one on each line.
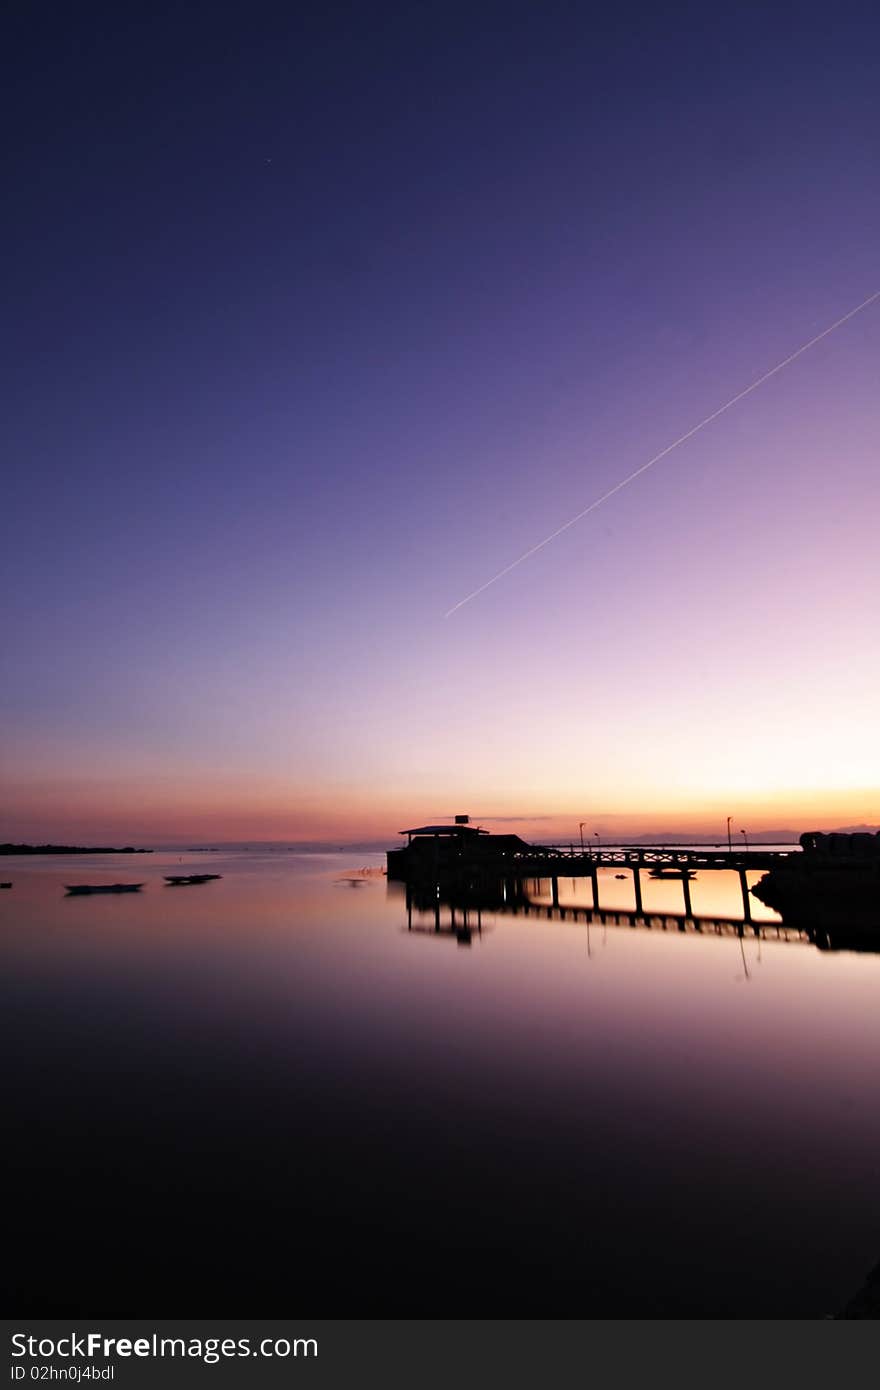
<point>785,836</point>
<point>683,837</point>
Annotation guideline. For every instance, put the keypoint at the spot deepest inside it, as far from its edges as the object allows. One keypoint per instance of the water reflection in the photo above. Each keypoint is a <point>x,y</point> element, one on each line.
<point>264,1092</point>
<point>442,909</point>
<point>428,912</point>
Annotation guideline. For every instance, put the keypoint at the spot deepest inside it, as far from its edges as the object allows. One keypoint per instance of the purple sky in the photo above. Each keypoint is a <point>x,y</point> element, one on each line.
<point>316,322</point>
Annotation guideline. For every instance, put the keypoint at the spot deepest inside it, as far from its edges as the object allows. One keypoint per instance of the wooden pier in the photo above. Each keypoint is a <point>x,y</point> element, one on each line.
<point>571,862</point>
<point>666,861</point>
<point>475,864</point>
<point>463,847</point>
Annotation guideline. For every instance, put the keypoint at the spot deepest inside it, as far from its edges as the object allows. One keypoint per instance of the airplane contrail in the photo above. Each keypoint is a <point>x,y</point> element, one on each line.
<point>624,482</point>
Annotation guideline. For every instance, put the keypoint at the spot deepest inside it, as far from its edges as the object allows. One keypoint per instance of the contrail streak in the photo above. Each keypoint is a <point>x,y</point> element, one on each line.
<point>625,482</point>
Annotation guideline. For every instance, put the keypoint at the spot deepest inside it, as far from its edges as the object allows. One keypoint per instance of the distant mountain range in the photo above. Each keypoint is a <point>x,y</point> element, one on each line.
<point>856,830</point>
<point>786,836</point>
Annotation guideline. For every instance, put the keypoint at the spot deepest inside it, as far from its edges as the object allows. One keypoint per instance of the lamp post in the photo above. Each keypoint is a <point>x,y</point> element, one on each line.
<point>746,838</point>
<point>729,845</point>
<point>598,841</point>
<point>581,829</point>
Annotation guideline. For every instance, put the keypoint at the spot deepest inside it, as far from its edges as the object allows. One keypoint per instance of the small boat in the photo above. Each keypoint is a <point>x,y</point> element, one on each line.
<point>76,890</point>
<point>178,880</point>
<point>5,885</point>
<point>667,871</point>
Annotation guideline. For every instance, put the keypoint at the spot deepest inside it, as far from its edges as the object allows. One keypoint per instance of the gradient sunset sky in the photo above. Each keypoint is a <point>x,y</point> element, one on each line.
<point>317,317</point>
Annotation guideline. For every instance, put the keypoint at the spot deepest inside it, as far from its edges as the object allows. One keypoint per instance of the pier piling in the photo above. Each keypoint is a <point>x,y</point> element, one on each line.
<point>686,888</point>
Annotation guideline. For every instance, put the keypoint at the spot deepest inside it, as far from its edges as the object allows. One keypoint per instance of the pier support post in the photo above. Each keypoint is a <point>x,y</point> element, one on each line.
<point>554,889</point>
<point>594,882</point>
<point>685,883</point>
<point>747,901</point>
<point>637,885</point>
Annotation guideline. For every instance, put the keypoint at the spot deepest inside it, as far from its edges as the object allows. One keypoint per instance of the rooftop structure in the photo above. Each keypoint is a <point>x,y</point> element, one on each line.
<point>459,830</point>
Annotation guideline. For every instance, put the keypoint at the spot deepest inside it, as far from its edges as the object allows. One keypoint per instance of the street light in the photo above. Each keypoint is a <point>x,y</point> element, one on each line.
<point>746,838</point>
<point>598,841</point>
<point>729,845</point>
<point>581,829</point>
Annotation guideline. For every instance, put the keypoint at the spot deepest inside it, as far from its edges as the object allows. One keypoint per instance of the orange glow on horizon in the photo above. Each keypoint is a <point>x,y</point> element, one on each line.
<point>227,809</point>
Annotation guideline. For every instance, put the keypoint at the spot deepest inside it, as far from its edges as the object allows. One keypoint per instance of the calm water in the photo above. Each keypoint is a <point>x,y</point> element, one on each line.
<point>266,1096</point>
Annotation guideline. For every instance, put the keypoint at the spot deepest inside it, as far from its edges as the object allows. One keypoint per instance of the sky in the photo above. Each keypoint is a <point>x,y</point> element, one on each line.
<point>318,317</point>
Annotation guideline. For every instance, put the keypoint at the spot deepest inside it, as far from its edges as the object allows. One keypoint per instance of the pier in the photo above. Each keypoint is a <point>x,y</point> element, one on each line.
<point>465,858</point>
<point>572,862</point>
<point>659,861</point>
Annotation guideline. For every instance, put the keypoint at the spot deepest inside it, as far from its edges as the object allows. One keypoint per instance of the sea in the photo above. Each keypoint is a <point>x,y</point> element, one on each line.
<point>293,1091</point>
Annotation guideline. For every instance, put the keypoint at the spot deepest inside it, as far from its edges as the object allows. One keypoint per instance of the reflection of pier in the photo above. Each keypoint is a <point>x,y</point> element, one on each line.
<point>460,915</point>
<point>655,919</point>
<point>460,920</point>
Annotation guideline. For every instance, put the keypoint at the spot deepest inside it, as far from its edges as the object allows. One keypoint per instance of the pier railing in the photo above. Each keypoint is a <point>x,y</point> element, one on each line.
<point>570,858</point>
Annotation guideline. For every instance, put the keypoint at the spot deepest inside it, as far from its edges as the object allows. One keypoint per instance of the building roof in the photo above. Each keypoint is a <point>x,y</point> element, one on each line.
<point>444,830</point>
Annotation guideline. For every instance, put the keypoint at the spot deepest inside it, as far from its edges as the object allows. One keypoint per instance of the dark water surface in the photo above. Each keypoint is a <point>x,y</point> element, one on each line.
<point>264,1096</point>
